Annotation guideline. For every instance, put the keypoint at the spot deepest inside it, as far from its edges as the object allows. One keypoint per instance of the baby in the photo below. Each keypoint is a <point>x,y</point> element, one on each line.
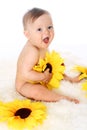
<point>39,31</point>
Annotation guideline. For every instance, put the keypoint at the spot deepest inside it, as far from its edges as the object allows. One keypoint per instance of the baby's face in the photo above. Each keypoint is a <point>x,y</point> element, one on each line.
<point>41,31</point>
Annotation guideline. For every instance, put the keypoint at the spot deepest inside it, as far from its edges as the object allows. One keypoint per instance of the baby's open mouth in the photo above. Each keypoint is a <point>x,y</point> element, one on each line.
<point>46,40</point>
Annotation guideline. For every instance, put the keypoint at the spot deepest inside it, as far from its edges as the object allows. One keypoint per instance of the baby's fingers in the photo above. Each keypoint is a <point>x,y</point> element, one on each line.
<point>47,70</point>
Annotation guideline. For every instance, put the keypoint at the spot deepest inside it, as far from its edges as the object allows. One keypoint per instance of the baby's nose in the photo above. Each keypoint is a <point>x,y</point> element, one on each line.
<point>46,31</point>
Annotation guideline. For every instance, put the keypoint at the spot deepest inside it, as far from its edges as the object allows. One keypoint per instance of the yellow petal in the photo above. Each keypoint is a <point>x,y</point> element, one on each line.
<point>81,69</point>
<point>19,121</point>
<point>84,86</point>
<point>82,76</point>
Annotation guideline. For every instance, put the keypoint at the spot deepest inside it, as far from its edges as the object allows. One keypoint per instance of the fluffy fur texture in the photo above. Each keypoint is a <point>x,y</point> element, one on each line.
<point>62,115</point>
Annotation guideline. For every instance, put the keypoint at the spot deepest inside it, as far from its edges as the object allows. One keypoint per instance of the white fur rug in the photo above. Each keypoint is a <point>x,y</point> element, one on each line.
<point>62,115</point>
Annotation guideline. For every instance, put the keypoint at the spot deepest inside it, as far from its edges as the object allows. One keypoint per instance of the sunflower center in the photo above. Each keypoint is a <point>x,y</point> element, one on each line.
<point>23,112</point>
<point>62,64</point>
<point>49,66</point>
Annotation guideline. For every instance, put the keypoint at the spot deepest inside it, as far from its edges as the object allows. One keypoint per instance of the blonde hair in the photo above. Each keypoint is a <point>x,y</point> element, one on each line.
<point>31,15</point>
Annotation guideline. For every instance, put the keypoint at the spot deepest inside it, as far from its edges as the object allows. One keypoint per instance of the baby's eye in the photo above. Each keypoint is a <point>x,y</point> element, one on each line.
<point>50,27</point>
<point>39,29</point>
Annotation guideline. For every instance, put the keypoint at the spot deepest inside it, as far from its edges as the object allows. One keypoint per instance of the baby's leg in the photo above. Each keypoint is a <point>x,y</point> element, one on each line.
<point>41,93</point>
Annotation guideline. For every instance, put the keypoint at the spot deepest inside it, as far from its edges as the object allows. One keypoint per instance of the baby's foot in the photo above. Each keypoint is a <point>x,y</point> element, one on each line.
<point>73,100</point>
<point>69,99</point>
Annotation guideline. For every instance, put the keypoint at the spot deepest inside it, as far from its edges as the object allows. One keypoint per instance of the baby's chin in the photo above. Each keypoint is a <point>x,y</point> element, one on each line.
<point>45,46</point>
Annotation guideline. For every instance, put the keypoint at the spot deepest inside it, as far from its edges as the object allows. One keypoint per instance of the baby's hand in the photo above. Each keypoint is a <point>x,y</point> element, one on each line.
<point>48,76</point>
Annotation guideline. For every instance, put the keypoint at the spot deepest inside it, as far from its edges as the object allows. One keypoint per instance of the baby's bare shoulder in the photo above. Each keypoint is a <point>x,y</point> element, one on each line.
<point>32,51</point>
<point>28,54</point>
<point>28,58</point>
<point>31,54</point>
<point>29,51</point>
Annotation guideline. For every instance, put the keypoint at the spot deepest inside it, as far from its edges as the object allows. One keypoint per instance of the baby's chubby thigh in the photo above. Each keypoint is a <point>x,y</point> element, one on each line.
<point>32,91</point>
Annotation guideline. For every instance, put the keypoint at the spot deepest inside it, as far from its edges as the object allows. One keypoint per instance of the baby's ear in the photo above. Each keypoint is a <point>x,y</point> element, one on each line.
<point>26,33</point>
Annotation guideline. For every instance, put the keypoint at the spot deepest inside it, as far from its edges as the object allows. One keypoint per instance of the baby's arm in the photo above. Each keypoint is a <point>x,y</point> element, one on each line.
<point>37,76</point>
<point>73,80</point>
<point>29,61</point>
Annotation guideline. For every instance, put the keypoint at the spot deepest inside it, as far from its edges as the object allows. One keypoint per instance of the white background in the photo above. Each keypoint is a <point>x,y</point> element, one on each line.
<point>70,24</point>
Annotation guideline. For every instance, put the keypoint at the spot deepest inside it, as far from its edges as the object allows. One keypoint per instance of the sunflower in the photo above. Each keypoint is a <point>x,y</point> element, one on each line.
<point>22,114</point>
<point>40,67</point>
<point>55,63</point>
<point>84,85</point>
<point>82,70</point>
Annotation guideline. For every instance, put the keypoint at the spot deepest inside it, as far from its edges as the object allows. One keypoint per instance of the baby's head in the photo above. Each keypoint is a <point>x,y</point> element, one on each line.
<point>31,15</point>
<point>38,27</point>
